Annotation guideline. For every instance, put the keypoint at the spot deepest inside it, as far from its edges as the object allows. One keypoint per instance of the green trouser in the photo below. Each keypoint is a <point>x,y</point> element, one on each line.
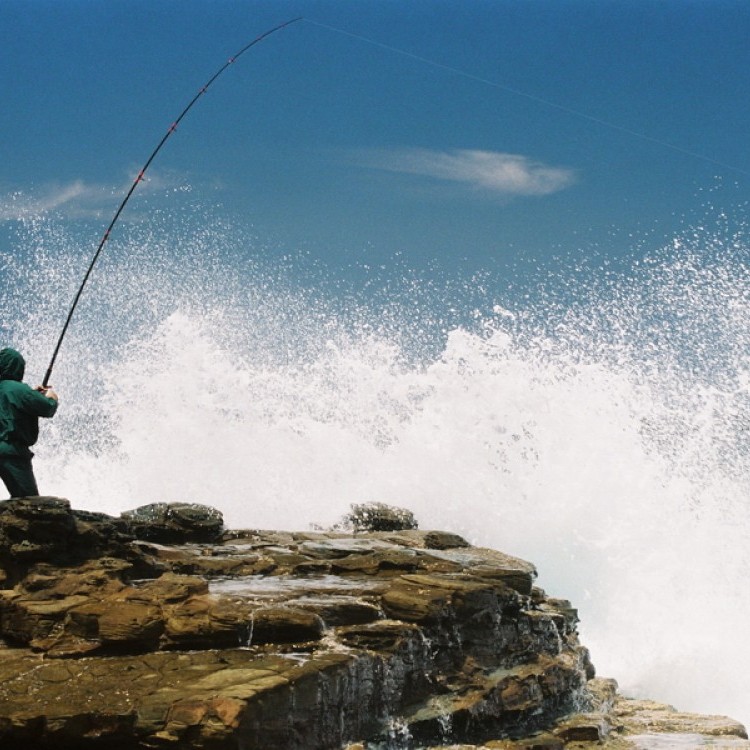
<point>18,476</point>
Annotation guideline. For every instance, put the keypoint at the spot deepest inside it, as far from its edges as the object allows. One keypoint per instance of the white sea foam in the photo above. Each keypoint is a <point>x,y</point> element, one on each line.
<point>600,431</point>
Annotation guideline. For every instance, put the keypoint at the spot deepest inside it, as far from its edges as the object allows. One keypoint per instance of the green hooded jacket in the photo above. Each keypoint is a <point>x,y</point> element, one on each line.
<point>20,407</point>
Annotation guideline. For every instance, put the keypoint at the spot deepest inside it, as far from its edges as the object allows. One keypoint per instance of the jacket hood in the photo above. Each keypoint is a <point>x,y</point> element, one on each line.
<point>12,365</point>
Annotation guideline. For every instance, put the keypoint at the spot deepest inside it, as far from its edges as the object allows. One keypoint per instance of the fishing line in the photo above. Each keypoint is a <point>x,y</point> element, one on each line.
<point>139,178</point>
<point>535,98</point>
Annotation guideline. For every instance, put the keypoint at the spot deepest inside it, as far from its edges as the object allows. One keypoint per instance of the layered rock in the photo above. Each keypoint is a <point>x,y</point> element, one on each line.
<point>117,636</point>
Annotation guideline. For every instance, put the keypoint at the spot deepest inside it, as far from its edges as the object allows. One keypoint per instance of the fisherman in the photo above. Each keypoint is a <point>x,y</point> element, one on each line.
<point>20,409</point>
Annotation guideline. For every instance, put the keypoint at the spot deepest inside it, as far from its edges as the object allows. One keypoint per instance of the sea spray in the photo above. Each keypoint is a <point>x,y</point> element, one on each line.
<point>598,427</point>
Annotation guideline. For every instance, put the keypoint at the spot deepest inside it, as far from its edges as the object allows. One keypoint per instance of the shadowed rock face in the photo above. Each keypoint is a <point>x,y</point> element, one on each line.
<point>45,530</point>
<point>379,517</point>
<point>174,523</point>
<point>285,640</point>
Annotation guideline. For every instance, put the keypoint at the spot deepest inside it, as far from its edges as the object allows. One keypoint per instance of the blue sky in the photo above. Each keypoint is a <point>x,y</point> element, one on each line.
<point>469,132</point>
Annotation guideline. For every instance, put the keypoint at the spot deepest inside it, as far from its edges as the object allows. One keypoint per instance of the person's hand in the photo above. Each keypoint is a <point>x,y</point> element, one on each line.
<point>47,391</point>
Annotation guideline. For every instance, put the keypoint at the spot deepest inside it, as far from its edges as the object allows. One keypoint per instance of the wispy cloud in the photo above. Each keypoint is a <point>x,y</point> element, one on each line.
<point>75,200</point>
<point>20,204</point>
<point>497,172</point>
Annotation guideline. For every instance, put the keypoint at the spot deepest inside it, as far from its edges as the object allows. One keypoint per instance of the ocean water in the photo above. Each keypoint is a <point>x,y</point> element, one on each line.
<point>595,421</point>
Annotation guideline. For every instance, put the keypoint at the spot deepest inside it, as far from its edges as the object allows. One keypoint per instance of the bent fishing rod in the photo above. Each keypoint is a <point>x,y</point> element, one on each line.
<point>139,178</point>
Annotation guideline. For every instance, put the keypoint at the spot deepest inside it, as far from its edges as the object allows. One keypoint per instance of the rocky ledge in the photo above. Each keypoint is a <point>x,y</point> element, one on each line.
<point>159,629</point>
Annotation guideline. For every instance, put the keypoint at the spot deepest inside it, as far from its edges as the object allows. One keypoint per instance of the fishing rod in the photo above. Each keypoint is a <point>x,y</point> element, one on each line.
<point>139,178</point>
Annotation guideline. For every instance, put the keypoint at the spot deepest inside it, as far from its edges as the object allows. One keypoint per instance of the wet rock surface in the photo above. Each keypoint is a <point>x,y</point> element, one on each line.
<point>113,636</point>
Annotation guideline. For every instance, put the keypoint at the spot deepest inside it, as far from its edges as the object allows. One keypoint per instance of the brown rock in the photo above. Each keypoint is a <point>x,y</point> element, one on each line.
<point>377,562</point>
<point>443,540</point>
<point>24,619</point>
<point>175,523</point>
<point>338,609</point>
<point>412,602</point>
<point>380,636</point>
<point>285,625</point>
<point>645,717</point>
<point>354,637</point>
<point>208,622</point>
<point>379,517</point>
<point>584,728</point>
<point>170,588</point>
<point>117,622</point>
